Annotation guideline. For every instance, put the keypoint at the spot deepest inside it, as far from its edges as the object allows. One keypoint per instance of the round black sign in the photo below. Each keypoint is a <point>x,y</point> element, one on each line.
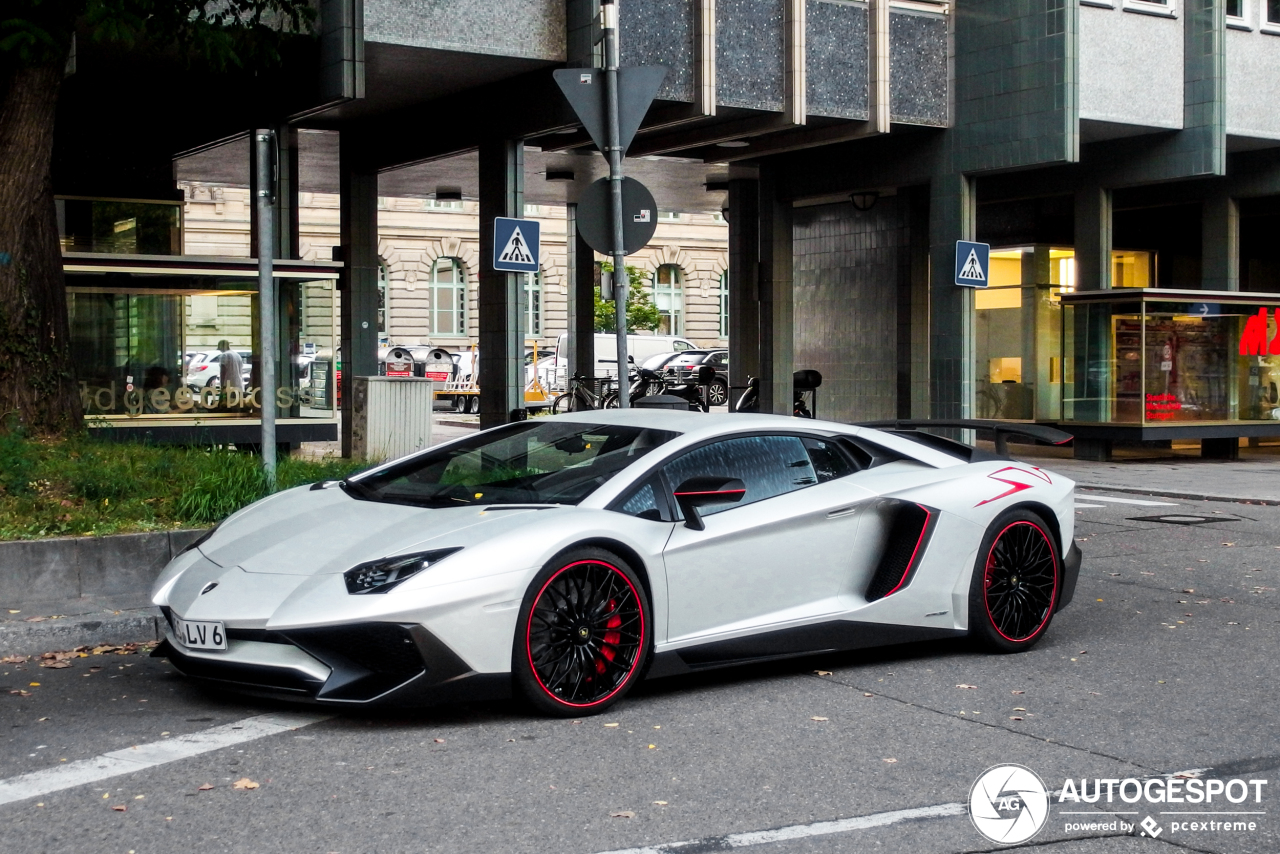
<point>639,216</point>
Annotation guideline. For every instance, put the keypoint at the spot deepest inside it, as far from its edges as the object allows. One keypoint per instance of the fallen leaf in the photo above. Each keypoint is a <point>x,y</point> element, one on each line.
<point>244,783</point>
<point>1014,718</point>
<point>611,726</point>
<point>1019,709</point>
<point>35,619</point>
<point>120,808</point>
<point>890,760</point>
<point>21,693</point>
<point>439,741</point>
<point>42,719</point>
<point>33,684</point>
<point>818,718</point>
<point>868,695</point>
<point>1228,544</point>
<point>1189,590</point>
<point>206,787</point>
<point>823,672</point>
<point>622,814</point>
<point>659,803</point>
<point>1017,692</point>
<point>653,747</point>
<point>14,659</point>
<point>55,665</point>
<point>967,686</point>
<point>1144,572</point>
<point>12,611</point>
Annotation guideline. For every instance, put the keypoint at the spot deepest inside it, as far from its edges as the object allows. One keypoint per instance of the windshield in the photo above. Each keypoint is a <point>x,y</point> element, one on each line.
<point>533,462</point>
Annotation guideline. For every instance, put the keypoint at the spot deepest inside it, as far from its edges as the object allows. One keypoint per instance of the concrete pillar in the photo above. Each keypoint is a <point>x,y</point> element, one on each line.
<point>777,322</point>
<point>581,262</point>
<point>952,216</point>
<point>501,348</point>
<point>1220,243</point>
<point>358,285</point>
<point>1093,238</point>
<point>744,267</point>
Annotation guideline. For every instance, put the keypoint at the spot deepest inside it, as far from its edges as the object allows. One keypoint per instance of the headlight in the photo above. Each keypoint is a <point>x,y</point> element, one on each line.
<point>379,576</point>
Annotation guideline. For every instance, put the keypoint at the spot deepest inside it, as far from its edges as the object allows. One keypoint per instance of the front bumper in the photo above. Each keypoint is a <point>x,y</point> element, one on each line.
<point>356,664</point>
<point>1070,574</point>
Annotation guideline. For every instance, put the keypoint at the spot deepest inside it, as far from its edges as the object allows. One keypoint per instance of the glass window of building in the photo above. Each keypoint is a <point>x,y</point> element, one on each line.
<point>448,297</point>
<point>1235,8</point>
<point>724,304</point>
<point>533,303</point>
<point>1148,358</point>
<point>668,296</point>
<point>119,227</point>
<point>1272,12</point>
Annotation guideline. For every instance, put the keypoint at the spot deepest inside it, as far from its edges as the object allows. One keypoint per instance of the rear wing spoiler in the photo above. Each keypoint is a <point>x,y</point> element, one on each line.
<point>1002,429</point>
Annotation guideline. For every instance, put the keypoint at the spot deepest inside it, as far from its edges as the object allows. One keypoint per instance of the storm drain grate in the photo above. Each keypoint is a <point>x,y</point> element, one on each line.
<point>1182,519</point>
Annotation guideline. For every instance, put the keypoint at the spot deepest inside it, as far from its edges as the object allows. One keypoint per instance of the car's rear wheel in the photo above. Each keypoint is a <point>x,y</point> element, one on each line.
<point>583,634</point>
<point>1015,583</point>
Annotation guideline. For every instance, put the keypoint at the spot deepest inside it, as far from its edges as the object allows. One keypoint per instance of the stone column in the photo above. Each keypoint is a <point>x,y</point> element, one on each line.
<point>1093,238</point>
<point>501,350</point>
<point>744,266</point>
<point>1220,243</point>
<point>358,286</point>
<point>777,323</point>
<point>952,215</point>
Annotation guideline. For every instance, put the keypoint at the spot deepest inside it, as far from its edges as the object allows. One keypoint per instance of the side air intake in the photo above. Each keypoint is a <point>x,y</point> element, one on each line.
<point>907,534</point>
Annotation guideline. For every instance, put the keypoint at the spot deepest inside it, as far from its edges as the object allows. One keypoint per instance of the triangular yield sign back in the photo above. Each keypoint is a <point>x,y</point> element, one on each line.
<point>973,268</point>
<point>516,251</point>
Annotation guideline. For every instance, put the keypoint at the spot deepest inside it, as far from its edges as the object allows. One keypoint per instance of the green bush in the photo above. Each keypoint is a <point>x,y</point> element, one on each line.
<point>90,486</point>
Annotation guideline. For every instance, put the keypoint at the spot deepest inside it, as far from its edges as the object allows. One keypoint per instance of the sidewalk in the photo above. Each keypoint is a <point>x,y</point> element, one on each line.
<point>1177,473</point>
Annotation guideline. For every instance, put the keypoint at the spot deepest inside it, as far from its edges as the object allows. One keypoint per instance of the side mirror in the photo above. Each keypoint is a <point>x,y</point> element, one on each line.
<point>700,491</point>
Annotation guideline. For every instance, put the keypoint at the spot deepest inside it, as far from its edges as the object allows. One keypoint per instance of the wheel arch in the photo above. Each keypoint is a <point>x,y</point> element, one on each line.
<point>623,551</point>
<point>1050,518</point>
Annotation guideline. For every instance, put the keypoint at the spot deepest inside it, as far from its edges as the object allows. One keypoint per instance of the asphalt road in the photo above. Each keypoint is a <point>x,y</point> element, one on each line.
<point>1165,662</point>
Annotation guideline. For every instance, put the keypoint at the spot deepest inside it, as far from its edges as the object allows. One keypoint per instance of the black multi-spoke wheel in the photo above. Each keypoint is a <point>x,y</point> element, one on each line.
<point>1015,583</point>
<point>583,634</point>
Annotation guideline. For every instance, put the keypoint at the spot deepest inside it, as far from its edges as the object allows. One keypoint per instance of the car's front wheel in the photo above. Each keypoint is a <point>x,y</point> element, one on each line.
<point>583,634</point>
<point>1015,583</point>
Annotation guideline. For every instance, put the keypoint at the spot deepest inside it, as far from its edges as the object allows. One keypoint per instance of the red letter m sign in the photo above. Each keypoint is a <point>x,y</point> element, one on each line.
<point>1253,341</point>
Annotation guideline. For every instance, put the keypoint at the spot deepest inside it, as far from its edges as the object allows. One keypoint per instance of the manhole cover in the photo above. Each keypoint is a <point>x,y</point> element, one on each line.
<point>1179,519</point>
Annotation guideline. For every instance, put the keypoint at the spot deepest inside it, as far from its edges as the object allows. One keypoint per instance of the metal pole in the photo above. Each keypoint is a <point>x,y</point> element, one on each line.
<point>609,25</point>
<point>265,141</point>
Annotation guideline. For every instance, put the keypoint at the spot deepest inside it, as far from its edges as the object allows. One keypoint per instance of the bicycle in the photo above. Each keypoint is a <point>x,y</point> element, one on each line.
<point>581,397</point>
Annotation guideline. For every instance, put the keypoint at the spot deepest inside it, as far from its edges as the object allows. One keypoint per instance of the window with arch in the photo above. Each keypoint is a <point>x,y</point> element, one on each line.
<point>724,304</point>
<point>448,297</point>
<point>668,296</point>
<point>533,303</point>
<point>384,314</point>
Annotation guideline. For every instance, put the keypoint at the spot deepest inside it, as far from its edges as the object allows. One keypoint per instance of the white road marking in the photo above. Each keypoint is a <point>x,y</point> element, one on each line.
<point>143,756</point>
<point>1140,502</point>
<point>1080,506</point>
<point>802,831</point>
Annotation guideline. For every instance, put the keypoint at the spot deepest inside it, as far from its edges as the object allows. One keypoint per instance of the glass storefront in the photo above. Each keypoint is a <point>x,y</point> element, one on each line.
<point>179,341</point>
<point>112,226</point>
<point>1149,357</point>
<point>1018,344</point>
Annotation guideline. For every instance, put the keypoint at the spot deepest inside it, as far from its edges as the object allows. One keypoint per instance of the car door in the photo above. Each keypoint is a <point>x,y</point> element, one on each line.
<point>779,554</point>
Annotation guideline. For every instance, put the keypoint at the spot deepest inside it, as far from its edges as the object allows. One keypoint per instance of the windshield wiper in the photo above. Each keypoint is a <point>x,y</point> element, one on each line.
<point>356,489</point>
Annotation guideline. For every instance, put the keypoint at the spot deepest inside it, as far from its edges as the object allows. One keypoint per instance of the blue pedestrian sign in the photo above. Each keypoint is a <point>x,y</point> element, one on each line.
<point>972,264</point>
<point>515,245</point>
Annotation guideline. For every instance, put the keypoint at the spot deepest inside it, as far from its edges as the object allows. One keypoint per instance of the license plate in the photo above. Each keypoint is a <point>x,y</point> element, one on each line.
<point>195,634</point>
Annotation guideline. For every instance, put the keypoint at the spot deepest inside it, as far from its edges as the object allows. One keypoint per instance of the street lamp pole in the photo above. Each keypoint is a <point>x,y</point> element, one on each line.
<point>609,26</point>
<point>265,139</point>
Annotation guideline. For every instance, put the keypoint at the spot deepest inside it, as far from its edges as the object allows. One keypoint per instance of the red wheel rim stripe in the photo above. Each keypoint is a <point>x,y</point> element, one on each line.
<point>986,572</point>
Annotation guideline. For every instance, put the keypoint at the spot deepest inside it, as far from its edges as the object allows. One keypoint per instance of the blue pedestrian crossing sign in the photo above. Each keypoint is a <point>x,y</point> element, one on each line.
<point>972,264</point>
<point>515,245</point>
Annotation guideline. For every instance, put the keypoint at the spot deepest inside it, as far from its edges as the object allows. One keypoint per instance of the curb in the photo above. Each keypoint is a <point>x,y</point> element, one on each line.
<point>1187,496</point>
<point>21,638</point>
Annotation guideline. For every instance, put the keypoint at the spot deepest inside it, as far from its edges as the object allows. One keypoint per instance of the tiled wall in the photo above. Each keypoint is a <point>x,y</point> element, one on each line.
<point>849,269</point>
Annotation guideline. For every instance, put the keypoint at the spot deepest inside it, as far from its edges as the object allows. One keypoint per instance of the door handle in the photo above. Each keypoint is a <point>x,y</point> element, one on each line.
<point>843,511</point>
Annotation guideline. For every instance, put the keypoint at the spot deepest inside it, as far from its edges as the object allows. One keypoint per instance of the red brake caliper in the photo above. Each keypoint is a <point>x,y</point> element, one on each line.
<point>611,638</point>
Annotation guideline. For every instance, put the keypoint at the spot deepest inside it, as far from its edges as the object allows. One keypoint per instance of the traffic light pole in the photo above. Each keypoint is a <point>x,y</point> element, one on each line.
<point>621,282</point>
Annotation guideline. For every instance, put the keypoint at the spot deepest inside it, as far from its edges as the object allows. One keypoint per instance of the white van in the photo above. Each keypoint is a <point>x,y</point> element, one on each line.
<point>639,348</point>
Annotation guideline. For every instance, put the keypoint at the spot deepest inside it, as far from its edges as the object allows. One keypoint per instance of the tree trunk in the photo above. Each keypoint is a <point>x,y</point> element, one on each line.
<point>37,377</point>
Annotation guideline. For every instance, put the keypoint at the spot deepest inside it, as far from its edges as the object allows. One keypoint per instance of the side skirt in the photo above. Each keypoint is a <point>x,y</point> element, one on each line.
<point>833,636</point>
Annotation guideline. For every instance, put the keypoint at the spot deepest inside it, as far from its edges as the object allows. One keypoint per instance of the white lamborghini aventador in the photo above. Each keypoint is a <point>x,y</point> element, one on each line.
<point>566,558</point>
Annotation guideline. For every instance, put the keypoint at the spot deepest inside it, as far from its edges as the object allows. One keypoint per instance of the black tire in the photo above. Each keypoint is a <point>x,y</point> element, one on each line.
<point>1016,583</point>
<point>460,404</point>
<point>717,393</point>
<point>610,401</point>
<point>583,637</point>
<point>561,403</point>
<point>472,404</point>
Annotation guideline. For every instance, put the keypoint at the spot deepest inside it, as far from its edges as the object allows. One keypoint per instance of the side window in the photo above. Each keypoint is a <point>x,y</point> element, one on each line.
<point>645,502</point>
<point>828,462</point>
<point>767,465</point>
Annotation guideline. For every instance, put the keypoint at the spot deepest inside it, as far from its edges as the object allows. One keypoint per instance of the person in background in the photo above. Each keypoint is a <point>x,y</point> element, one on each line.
<point>232,366</point>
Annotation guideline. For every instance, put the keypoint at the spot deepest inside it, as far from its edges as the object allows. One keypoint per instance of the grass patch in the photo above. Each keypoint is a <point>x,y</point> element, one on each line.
<point>83,486</point>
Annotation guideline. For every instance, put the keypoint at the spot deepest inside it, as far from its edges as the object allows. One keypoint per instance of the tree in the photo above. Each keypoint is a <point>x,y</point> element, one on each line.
<point>642,314</point>
<point>37,380</point>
